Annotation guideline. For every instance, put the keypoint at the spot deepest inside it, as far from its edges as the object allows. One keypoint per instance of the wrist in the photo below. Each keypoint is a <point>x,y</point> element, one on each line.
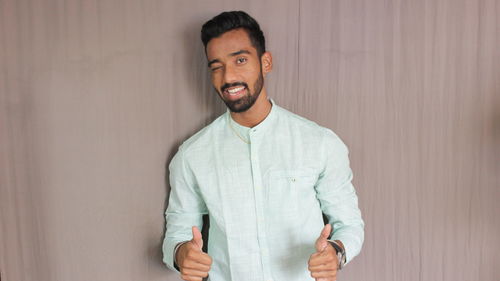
<point>177,251</point>
<point>340,251</point>
<point>340,244</point>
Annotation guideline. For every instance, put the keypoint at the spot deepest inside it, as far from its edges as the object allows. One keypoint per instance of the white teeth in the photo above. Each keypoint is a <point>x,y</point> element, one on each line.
<point>232,91</point>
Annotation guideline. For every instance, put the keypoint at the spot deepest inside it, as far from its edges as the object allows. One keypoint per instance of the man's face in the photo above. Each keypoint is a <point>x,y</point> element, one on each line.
<point>235,69</point>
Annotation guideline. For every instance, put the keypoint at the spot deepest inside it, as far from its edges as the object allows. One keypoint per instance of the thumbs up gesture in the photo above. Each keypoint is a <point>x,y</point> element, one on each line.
<point>194,264</point>
<point>323,263</point>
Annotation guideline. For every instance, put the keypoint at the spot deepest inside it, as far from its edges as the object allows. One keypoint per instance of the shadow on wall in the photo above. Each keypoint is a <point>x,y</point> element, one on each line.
<point>496,136</point>
<point>207,101</point>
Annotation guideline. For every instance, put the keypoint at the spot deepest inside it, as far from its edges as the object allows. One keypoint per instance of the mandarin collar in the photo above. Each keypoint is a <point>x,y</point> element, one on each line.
<point>261,127</point>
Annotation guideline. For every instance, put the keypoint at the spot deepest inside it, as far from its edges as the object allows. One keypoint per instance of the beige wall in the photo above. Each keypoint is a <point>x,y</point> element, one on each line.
<point>95,97</point>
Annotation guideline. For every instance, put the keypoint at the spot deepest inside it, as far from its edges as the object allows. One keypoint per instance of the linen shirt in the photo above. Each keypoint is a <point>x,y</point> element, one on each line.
<point>264,198</point>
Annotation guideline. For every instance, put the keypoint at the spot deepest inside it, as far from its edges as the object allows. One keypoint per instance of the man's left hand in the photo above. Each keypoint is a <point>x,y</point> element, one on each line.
<point>323,264</point>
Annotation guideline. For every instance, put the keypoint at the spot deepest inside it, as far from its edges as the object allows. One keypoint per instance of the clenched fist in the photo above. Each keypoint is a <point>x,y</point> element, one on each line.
<point>194,264</point>
<point>323,264</point>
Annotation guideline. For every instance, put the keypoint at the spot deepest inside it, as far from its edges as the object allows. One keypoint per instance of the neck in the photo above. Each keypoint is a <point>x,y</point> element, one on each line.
<point>255,114</point>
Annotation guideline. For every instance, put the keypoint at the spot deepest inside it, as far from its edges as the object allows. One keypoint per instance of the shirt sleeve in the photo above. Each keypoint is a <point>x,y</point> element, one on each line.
<point>186,207</point>
<point>338,198</point>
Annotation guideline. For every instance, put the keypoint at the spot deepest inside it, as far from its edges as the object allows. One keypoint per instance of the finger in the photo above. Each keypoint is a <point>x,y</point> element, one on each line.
<point>328,251</point>
<point>324,274</point>
<point>324,264</point>
<point>318,259</point>
<point>190,264</point>
<point>197,239</point>
<point>205,259</point>
<point>323,267</point>
<point>199,257</point>
<point>325,233</point>
<point>194,272</point>
<point>321,242</point>
<point>326,279</point>
<point>191,278</point>
<point>322,239</point>
<point>322,260</point>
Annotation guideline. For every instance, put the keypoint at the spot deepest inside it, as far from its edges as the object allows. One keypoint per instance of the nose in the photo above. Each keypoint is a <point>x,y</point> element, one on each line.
<point>230,75</point>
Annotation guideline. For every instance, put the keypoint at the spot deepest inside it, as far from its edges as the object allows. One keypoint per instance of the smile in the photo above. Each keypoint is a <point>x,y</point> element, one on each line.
<point>236,91</point>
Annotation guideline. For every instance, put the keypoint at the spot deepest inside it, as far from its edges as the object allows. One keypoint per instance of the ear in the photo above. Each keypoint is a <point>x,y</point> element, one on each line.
<point>266,61</point>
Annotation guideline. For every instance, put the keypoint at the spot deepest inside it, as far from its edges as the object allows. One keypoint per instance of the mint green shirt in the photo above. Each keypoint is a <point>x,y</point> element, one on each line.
<point>264,198</point>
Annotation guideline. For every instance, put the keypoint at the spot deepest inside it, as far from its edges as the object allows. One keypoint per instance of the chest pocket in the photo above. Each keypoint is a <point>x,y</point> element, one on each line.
<point>289,190</point>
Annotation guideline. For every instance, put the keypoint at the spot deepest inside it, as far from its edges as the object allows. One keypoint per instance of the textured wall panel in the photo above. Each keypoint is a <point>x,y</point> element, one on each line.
<point>95,97</point>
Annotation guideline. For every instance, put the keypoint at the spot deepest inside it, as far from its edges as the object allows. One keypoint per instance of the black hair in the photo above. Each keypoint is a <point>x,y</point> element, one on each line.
<point>227,21</point>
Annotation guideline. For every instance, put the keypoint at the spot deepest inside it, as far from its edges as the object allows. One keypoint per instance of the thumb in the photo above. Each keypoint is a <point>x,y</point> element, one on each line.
<point>321,243</point>
<point>197,240</point>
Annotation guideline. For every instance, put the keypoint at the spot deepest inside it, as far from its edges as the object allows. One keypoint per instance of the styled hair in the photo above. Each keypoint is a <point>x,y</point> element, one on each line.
<point>227,21</point>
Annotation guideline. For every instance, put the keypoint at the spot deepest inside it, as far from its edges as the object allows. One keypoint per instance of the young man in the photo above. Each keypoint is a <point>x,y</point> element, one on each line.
<point>263,175</point>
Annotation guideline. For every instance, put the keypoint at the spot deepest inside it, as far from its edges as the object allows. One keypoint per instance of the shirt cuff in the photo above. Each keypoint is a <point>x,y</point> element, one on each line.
<point>352,245</point>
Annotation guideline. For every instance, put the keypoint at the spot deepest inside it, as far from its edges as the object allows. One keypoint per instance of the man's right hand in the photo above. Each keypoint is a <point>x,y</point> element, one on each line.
<point>194,264</point>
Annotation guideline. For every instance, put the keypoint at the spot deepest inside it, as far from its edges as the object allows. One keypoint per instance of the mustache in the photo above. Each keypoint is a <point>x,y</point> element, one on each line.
<point>229,85</point>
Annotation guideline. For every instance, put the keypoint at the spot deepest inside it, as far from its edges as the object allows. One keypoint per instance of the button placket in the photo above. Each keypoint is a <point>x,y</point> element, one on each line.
<point>259,203</point>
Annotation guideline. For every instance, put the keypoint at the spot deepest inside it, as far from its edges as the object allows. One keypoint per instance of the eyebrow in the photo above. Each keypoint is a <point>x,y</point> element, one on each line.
<point>239,53</point>
<point>230,55</point>
<point>212,62</point>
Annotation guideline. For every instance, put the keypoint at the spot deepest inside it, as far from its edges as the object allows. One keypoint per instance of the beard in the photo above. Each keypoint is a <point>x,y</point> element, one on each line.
<point>246,101</point>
